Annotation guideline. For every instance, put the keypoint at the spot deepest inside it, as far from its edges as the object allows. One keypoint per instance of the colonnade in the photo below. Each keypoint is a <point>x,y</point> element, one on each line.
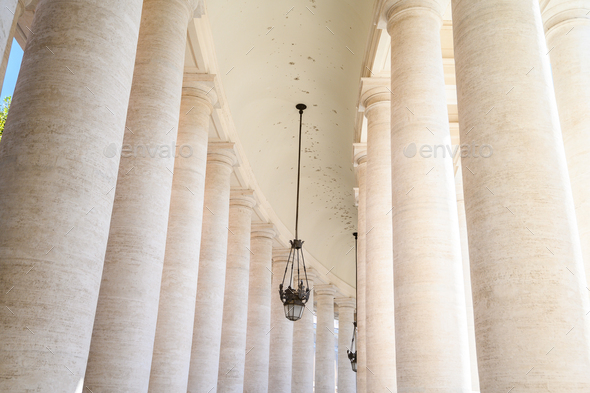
<point>128,272</point>
<point>160,281</point>
<point>524,218</point>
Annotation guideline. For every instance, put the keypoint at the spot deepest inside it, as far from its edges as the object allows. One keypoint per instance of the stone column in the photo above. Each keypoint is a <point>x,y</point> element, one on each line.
<point>281,330</point>
<point>11,12</point>
<point>325,340</point>
<point>433,352</point>
<point>360,161</point>
<point>380,314</point>
<point>467,280</point>
<point>346,377</point>
<point>259,300</point>
<point>126,315</point>
<point>567,27</point>
<point>303,344</point>
<point>232,355</point>
<point>176,311</point>
<point>204,362</point>
<point>56,187</point>
<point>527,272</point>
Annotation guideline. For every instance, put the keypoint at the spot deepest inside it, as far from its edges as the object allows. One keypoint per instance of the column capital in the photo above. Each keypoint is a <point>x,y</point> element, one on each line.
<point>266,230</point>
<point>563,13</point>
<point>200,86</point>
<point>374,91</point>
<point>222,152</point>
<point>325,290</point>
<point>242,197</point>
<point>359,150</point>
<point>393,9</point>
<point>345,302</point>
<point>280,255</point>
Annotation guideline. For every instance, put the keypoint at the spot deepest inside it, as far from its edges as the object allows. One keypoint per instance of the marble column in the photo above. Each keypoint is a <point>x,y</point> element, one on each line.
<point>281,331</point>
<point>360,162</point>
<point>432,351</point>
<point>232,355</point>
<point>11,12</point>
<point>567,26</point>
<point>325,340</point>
<point>176,311</point>
<point>467,280</point>
<point>206,343</point>
<point>303,344</point>
<point>380,314</point>
<point>125,323</point>
<point>56,187</point>
<point>259,300</point>
<point>346,377</point>
<point>529,295</point>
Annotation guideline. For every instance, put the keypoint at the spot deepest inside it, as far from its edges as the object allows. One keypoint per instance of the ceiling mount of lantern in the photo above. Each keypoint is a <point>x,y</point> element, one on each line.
<point>296,295</point>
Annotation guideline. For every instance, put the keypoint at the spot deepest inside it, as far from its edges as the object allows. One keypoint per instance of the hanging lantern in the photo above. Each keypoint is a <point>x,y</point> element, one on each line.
<point>296,294</point>
<point>352,352</point>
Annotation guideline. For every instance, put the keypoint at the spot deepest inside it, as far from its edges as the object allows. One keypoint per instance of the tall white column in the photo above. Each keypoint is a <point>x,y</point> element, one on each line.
<point>360,161</point>
<point>206,343</point>
<point>232,355</point>
<point>346,377</point>
<point>11,12</point>
<point>259,300</point>
<point>303,344</point>
<point>56,187</point>
<point>467,280</point>
<point>567,25</point>
<point>281,330</point>
<point>380,314</point>
<point>176,310</point>
<point>126,315</point>
<point>529,295</point>
<point>430,319</point>
<point>325,341</point>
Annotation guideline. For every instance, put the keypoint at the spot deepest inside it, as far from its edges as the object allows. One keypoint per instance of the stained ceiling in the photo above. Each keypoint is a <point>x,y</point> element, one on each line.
<point>271,56</point>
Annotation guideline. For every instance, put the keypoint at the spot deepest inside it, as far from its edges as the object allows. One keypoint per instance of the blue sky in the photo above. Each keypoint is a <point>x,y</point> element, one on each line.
<point>16,56</point>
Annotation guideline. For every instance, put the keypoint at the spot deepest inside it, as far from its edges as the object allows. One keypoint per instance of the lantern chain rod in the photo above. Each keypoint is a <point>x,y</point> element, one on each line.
<point>301,108</point>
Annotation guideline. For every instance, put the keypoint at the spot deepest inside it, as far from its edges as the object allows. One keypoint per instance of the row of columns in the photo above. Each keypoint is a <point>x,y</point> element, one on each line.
<point>147,273</point>
<point>525,215</point>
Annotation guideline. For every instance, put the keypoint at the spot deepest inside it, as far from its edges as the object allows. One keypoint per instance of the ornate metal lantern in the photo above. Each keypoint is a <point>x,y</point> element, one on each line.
<point>352,352</point>
<point>296,294</point>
